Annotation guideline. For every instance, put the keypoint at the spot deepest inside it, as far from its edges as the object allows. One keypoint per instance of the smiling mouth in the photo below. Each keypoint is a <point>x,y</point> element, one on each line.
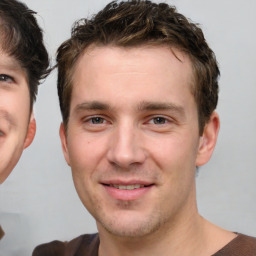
<point>127,187</point>
<point>127,191</point>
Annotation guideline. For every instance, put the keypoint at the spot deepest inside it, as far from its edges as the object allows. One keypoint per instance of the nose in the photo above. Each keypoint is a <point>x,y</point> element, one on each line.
<point>126,147</point>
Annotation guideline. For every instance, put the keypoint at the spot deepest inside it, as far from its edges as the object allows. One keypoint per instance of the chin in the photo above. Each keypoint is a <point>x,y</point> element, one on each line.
<point>133,228</point>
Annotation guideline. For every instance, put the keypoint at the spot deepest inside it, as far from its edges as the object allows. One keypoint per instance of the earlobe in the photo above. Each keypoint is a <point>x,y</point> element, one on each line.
<point>208,140</point>
<point>31,131</point>
<point>63,139</point>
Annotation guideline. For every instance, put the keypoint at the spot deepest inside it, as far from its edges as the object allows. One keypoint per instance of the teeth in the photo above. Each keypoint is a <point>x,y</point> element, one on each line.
<point>128,187</point>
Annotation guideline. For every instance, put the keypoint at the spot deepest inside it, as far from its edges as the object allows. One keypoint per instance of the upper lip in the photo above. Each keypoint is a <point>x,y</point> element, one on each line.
<point>127,182</point>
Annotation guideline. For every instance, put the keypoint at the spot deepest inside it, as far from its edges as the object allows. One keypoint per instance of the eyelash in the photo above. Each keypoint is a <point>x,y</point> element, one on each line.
<point>6,78</point>
<point>97,119</point>
<point>159,118</point>
<point>92,118</point>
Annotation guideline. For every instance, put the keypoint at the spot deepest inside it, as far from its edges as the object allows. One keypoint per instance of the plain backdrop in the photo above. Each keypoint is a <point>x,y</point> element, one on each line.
<point>38,202</point>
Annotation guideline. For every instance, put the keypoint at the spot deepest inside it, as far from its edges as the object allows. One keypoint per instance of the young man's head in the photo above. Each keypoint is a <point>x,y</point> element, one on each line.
<point>23,63</point>
<point>138,87</point>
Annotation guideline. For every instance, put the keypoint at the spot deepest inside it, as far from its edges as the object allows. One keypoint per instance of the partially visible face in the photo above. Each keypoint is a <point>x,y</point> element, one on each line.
<point>14,113</point>
<point>133,138</point>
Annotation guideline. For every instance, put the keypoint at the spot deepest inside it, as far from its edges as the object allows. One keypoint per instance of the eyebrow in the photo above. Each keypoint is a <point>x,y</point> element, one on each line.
<point>92,105</point>
<point>143,106</point>
<point>160,106</point>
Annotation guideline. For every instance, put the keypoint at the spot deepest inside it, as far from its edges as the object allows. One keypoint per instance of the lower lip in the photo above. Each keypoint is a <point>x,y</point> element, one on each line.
<point>125,194</point>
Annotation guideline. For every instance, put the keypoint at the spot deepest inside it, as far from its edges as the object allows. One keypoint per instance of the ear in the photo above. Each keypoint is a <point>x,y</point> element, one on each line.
<point>31,131</point>
<point>208,140</point>
<point>64,146</point>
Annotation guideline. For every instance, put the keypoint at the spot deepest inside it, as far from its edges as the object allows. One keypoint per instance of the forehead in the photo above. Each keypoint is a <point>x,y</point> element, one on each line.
<point>10,64</point>
<point>9,61</point>
<point>142,64</point>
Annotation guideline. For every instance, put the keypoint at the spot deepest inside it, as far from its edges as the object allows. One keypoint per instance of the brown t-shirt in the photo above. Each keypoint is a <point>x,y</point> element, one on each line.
<point>87,245</point>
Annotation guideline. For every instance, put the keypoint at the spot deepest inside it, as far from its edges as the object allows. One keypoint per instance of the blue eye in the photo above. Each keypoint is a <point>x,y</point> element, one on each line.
<point>5,78</point>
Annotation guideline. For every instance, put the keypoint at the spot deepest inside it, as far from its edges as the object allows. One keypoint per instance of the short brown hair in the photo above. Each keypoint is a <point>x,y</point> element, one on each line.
<point>134,23</point>
<point>21,38</point>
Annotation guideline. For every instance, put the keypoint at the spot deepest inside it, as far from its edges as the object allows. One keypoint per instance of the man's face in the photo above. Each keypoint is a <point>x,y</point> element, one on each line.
<point>133,138</point>
<point>14,114</point>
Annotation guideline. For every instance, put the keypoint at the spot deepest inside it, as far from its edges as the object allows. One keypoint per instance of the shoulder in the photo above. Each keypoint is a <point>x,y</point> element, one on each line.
<point>242,245</point>
<point>82,245</point>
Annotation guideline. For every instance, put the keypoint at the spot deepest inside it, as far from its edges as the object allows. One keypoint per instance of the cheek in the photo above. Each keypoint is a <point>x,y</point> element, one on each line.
<point>24,104</point>
<point>10,152</point>
<point>176,161</point>
<point>18,104</point>
<point>85,157</point>
<point>175,156</point>
<point>85,153</point>
<point>16,100</point>
<point>170,148</point>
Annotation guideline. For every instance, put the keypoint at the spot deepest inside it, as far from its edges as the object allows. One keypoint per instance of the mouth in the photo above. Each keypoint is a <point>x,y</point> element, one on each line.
<point>127,187</point>
<point>127,192</point>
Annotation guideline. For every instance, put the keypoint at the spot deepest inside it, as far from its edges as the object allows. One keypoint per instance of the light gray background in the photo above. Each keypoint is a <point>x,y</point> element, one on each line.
<point>38,202</point>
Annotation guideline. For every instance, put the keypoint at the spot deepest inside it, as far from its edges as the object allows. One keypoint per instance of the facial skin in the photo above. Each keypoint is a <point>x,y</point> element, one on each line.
<point>17,125</point>
<point>133,121</point>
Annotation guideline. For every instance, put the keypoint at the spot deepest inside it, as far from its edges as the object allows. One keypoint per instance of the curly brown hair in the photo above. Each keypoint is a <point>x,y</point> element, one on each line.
<point>22,38</point>
<point>138,22</point>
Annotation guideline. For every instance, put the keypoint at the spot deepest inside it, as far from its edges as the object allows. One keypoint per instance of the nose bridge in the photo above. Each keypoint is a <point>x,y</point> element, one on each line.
<point>125,148</point>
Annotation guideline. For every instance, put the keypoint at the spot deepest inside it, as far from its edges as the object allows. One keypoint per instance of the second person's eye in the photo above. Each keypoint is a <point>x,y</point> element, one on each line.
<point>5,78</point>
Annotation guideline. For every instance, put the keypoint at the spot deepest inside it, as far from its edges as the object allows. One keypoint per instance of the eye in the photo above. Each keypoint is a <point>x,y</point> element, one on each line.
<point>95,123</point>
<point>97,120</point>
<point>158,120</point>
<point>94,120</point>
<point>6,78</point>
